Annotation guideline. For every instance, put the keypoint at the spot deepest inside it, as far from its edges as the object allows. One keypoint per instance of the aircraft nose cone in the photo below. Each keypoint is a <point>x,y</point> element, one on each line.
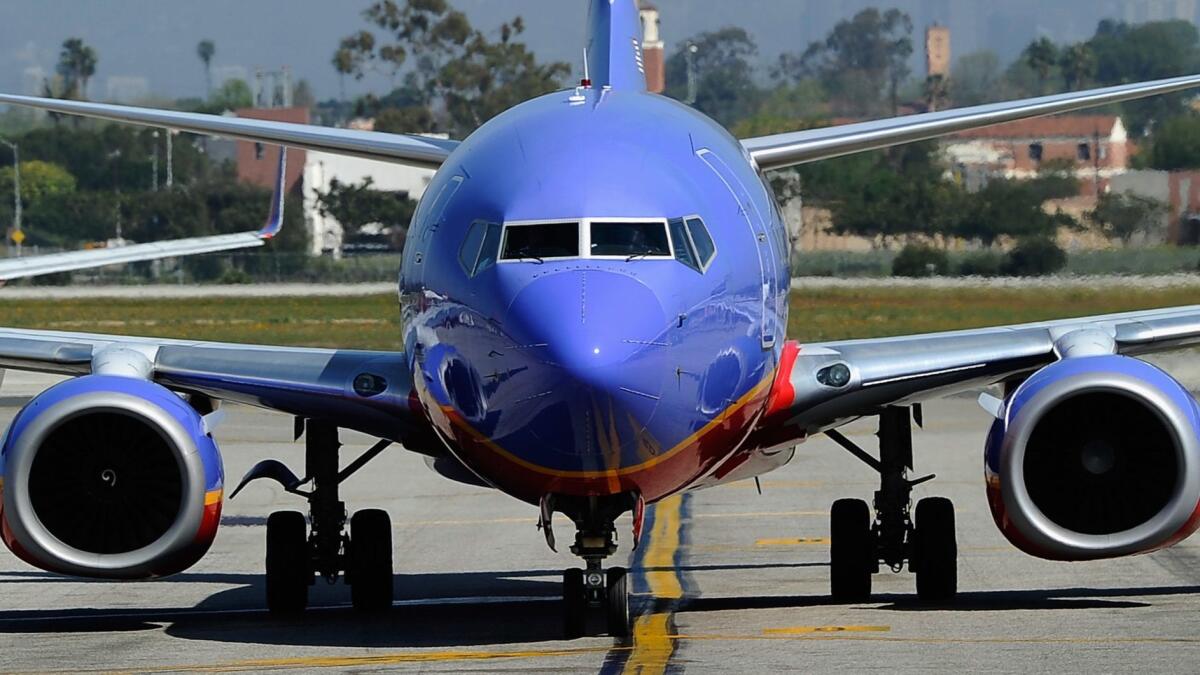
<point>587,322</point>
<point>596,338</point>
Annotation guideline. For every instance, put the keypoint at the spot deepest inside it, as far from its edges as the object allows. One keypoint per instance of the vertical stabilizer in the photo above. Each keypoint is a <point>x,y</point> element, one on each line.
<point>614,50</point>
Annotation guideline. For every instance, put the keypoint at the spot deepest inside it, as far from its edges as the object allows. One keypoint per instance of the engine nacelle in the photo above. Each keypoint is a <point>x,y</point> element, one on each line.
<point>109,477</point>
<point>1095,457</point>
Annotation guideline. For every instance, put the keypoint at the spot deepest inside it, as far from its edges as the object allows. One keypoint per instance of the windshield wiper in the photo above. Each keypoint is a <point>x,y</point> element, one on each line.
<point>645,254</point>
<point>524,254</point>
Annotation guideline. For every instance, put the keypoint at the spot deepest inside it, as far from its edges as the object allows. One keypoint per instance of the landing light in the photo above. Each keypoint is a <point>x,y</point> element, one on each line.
<point>596,350</point>
<point>836,376</point>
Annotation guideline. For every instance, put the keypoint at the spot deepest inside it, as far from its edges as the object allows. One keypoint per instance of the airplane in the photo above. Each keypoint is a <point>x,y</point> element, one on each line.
<point>71,261</point>
<point>594,296</point>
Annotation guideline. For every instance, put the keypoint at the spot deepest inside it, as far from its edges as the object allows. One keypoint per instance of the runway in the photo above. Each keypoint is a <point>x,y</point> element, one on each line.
<point>725,580</point>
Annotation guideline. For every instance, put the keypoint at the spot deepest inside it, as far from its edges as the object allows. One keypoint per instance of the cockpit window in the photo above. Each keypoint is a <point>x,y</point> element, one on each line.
<point>693,245</point>
<point>684,252</point>
<point>469,252</point>
<point>541,241</point>
<point>628,239</point>
<point>705,249</point>
<point>491,247</point>
<point>479,248</point>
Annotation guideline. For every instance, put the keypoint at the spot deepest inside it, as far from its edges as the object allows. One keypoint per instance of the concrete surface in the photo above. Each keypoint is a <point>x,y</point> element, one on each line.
<point>726,581</point>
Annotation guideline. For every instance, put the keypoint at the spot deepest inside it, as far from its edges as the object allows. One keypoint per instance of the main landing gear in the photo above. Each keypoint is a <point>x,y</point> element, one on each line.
<point>593,594</point>
<point>861,540</point>
<point>296,553</point>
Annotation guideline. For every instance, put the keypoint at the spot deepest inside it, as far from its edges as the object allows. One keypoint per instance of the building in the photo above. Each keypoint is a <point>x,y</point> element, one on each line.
<point>937,51</point>
<point>1098,147</point>
<point>654,55</point>
<point>257,163</point>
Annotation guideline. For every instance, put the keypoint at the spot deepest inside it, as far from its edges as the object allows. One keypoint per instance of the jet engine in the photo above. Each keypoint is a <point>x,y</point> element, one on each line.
<point>110,477</point>
<point>1095,457</point>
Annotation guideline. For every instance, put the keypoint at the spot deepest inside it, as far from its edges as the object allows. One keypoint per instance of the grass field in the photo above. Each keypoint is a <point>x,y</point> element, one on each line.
<point>372,322</point>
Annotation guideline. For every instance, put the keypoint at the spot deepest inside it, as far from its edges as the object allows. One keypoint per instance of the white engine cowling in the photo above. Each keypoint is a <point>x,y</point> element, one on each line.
<point>1096,457</point>
<point>110,477</point>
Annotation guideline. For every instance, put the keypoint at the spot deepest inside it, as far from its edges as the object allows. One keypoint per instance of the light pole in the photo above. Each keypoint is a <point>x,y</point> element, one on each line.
<point>18,236</point>
<point>154,163</point>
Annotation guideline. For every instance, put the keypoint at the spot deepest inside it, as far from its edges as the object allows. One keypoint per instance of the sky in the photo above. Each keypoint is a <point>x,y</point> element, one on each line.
<point>156,39</point>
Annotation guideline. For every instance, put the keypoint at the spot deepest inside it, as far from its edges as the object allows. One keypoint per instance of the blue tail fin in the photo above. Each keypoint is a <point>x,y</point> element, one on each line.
<point>614,50</point>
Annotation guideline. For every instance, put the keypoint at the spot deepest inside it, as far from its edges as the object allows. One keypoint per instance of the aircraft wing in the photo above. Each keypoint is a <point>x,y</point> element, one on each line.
<point>809,395</point>
<point>32,266</point>
<point>397,148</point>
<point>784,150</point>
<point>362,390</point>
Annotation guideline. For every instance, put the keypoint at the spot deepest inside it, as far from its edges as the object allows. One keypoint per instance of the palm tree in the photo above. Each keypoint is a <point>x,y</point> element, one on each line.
<point>206,50</point>
<point>76,64</point>
<point>1041,55</point>
<point>1078,64</point>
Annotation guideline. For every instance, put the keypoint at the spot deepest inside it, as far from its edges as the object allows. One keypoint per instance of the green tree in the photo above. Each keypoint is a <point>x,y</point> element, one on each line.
<point>1176,144</point>
<point>231,95</point>
<point>977,78</point>
<point>859,61</point>
<point>76,65</point>
<point>488,77</point>
<point>1078,65</point>
<point>356,206</point>
<point>38,180</point>
<point>449,67</point>
<point>1042,57</point>
<point>1007,208</point>
<point>723,70</point>
<point>1133,53</point>
<point>205,50</point>
<point>1122,216</point>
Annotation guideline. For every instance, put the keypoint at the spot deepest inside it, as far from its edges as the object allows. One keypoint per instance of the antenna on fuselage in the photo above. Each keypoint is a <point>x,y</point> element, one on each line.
<point>586,82</point>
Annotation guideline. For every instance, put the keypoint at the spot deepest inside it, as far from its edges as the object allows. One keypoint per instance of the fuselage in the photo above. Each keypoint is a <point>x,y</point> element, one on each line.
<point>571,330</point>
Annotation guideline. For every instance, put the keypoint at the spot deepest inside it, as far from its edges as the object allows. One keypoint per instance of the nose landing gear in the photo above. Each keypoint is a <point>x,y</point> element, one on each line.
<point>594,592</point>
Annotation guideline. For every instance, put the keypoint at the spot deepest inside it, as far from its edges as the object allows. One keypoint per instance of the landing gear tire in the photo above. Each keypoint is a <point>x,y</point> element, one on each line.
<point>935,551</point>
<point>617,591</point>
<point>288,572</point>
<point>370,563</point>
<point>574,604</point>
<point>852,550</point>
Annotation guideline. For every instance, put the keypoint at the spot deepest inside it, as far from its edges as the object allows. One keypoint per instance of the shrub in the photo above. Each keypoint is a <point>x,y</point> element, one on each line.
<point>1035,257</point>
<point>918,260</point>
<point>986,263</point>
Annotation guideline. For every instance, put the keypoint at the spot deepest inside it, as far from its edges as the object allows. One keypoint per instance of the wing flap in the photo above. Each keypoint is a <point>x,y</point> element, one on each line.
<point>783,150</point>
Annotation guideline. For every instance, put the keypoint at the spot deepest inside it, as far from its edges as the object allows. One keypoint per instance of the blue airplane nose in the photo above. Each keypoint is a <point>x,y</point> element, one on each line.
<point>598,338</point>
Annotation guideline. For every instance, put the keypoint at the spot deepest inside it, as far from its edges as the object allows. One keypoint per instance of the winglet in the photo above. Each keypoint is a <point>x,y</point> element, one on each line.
<point>275,218</point>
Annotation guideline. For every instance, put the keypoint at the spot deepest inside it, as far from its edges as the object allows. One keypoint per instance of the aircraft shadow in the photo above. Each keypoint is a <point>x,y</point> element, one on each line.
<point>971,601</point>
<point>470,609</point>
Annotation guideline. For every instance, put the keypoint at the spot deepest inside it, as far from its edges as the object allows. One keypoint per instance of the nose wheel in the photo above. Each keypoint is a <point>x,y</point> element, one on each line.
<point>860,540</point>
<point>593,596</point>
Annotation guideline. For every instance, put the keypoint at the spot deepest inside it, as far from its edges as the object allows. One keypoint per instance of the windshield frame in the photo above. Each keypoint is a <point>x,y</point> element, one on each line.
<point>585,238</point>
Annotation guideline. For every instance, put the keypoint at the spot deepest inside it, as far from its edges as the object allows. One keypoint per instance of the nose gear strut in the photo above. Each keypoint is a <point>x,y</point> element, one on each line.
<point>594,589</point>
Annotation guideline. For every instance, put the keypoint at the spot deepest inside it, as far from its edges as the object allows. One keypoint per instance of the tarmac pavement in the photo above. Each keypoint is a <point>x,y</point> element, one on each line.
<point>726,580</point>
